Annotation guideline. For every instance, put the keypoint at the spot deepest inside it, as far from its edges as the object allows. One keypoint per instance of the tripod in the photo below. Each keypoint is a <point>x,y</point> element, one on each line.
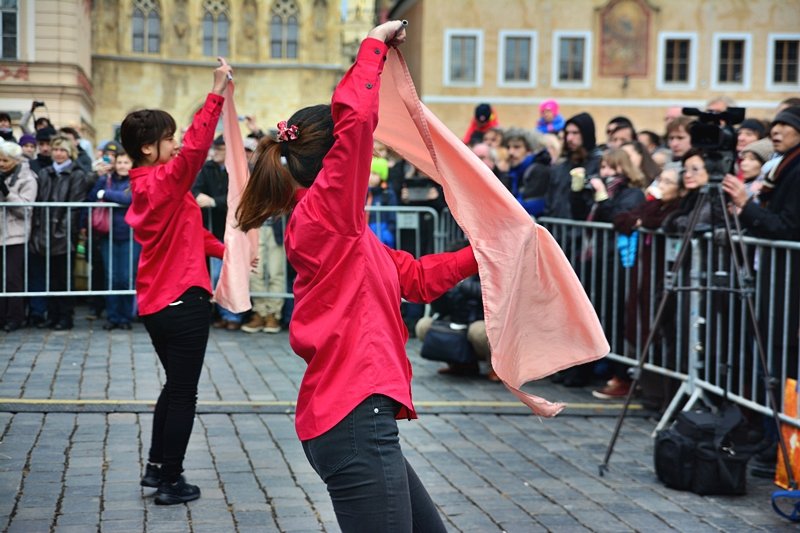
<point>712,192</point>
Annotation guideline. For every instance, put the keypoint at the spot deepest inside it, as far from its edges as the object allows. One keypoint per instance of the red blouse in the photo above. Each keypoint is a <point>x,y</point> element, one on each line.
<point>166,219</point>
<point>346,322</point>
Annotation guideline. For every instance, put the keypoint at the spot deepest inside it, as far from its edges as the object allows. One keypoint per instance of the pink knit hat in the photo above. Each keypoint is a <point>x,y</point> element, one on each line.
<point>552,105</point>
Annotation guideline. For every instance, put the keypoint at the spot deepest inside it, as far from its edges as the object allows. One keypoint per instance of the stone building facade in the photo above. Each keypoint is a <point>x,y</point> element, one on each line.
<point>608,57</point>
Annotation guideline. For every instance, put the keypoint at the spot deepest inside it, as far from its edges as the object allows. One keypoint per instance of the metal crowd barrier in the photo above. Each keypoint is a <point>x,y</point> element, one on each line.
<point>416,231</point>
<point>707,339</point>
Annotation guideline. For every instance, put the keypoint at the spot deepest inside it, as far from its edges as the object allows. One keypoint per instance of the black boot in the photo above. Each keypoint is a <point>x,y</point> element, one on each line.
<point>177,492</point>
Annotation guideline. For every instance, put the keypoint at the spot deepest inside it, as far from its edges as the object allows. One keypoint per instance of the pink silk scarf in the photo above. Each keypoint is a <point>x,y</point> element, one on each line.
<point>233,287</point>
<point>538,317</point>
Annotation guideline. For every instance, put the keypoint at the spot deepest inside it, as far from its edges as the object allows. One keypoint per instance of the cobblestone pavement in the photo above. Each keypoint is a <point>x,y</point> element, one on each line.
<point>75,419</point>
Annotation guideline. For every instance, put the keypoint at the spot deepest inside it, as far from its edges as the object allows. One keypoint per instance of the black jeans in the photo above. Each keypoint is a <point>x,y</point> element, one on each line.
<point>12,267</point>
<point>372,486</point>
<point>180,334</point>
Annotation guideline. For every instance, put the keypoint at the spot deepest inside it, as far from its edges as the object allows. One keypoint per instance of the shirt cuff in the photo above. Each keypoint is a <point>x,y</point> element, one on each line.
<point>465,262</point>
<point>214,100</point>
<point>372,51</point>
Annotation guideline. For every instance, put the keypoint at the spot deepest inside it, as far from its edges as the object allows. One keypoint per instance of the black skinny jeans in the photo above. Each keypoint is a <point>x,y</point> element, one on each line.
<point>180,334</point>
<point>372,486</point>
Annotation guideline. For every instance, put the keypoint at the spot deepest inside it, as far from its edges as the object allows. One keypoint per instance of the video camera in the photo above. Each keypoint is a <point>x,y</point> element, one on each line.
<point>713,133</point>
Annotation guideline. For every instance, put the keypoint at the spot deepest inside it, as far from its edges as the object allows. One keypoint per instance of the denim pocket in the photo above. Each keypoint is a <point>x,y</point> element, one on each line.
<point>334,449</point>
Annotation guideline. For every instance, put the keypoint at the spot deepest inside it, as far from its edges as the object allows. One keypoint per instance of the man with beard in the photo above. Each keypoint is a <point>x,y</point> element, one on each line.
<point>580,154</point>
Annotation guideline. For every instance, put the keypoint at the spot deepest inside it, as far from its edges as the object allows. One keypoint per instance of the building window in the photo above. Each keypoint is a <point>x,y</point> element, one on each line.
<point>731,63</point>
<point>463,62</point>
<point>784,60</point>
<point>572,59</point>
<point>677,53</point>
<point>283,30</point>
<point>8,29</point>
<point>676,60</point>
<point>517,66</point>
<point>146,26</point>
<point>215,27</point>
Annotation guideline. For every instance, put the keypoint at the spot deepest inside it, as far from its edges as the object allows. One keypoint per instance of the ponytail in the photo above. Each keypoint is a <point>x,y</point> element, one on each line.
<point>270,190</point>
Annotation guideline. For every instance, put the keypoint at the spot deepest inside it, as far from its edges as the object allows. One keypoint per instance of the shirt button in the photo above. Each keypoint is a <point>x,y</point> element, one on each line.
<point>376,410</point>
<point>369,86</point>
<point>377,51</point>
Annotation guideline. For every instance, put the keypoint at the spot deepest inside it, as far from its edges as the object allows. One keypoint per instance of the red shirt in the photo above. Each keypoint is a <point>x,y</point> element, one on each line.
<point>346,322</point>
<point>167,222</point>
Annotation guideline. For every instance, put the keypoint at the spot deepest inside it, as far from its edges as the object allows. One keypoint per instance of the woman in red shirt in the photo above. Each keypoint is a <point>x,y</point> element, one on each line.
<point>172,285</point>
<point>346,322</point>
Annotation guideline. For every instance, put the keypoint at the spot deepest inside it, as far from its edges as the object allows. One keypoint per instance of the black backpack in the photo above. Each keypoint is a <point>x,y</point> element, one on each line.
<point>704,452</point>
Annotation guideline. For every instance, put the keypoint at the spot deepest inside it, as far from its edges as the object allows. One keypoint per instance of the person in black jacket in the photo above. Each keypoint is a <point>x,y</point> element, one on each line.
<point>463,305</point>
<point>581,154</point>
<point>210,189</point>
<point>54,230</point>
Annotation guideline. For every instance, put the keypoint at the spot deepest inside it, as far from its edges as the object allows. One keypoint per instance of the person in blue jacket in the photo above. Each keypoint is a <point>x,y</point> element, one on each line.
<point>120,252</point>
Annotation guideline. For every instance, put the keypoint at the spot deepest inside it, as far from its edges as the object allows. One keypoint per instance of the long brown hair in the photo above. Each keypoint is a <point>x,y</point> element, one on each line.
<point>620,161</point>
<point>270,190</point>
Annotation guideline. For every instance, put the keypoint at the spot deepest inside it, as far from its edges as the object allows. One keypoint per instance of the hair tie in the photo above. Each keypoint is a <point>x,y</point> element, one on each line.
<point>287,133</point>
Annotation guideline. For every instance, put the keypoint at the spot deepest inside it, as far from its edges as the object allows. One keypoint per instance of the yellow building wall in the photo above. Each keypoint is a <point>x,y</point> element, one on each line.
<point>639,98</point>
<point>178,77</point>
<point>54,63</point>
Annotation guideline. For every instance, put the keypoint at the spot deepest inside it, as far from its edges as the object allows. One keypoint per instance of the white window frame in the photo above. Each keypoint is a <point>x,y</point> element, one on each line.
<point>747,61</point>
<point>17,13</point>
<point>464,32</point>
<point>691,84</point>
<point>501,60</point>
<point>771,85</point>
<point>586,83</point>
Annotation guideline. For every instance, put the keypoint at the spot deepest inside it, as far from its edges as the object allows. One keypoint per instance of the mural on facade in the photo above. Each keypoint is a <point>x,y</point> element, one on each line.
<point>624,38</point>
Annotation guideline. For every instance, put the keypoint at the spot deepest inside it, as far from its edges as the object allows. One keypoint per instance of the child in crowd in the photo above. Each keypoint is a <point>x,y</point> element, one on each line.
<point>120,254</point>
<point>751,161</point>
<point>346,323</point>
<point>550,120</point>
<point>172,286</point>
<point>382,223</point>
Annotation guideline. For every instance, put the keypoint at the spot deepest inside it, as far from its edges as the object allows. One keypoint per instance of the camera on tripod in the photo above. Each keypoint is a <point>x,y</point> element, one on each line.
<point>713,133</point>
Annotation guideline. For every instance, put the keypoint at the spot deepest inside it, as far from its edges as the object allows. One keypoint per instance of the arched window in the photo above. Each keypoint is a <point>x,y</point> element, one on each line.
<point>216,23</point>
<point>146,26</point>
<point>283,29</point>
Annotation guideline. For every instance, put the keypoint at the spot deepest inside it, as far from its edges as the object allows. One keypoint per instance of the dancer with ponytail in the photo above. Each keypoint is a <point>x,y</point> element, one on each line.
<point>173,288</point>
<point>346,323</point>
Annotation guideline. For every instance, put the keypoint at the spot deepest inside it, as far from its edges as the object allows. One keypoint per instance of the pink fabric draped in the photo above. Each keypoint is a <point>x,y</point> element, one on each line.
<point>538,317</point>
<point>233,288</point>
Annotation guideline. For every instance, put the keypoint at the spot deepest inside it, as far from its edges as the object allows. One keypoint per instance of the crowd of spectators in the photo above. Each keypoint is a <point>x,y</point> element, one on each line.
<point>554,167</point>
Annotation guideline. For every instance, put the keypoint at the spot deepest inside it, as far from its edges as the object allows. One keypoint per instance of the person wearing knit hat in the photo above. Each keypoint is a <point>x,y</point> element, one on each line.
<point>382,223</point>
<point>777,213</point>
<point>28,144</point>
<point>751,161</point>
<point>483,120</point>
<point>550,121</point>
<point>749,131</point>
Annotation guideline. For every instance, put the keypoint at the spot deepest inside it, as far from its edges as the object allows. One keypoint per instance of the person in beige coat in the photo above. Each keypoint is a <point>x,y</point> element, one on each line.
<point>17,184</point>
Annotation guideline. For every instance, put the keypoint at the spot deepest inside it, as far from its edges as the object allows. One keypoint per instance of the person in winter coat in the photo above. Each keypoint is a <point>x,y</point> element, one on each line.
<point>120,254</point>
<point>528,176</point>
<point>618,188</point>
<point>17,184</point>
<point>580,154</point>
<point>484,120</point>
<point>550,120</point>
<point>382,223</point>
<point>55,230</point>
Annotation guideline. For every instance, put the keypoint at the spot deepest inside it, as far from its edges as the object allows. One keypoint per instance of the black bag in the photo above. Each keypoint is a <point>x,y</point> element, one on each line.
<point>447,342</point>
<point>703,452</point>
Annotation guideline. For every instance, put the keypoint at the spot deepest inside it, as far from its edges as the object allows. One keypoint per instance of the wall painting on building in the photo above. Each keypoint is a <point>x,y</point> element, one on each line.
<point>624,38</point>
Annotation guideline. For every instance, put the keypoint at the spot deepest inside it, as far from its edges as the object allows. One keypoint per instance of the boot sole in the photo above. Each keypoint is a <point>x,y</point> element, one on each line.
<point>169,499</point>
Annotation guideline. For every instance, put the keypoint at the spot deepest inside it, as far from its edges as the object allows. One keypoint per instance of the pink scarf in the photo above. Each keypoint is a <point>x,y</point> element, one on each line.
<point>233,288</point>
<point>538,317</point>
